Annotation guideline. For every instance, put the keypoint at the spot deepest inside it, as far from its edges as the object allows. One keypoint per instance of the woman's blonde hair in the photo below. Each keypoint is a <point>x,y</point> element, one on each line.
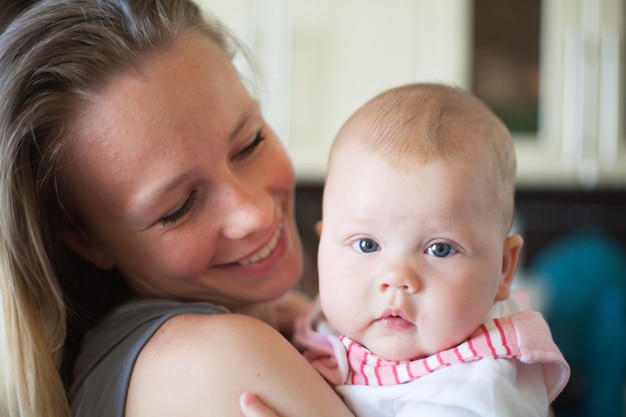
<point>52,57</point>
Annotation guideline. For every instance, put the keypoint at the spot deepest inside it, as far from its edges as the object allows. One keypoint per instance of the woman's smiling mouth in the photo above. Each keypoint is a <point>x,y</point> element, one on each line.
<point>265,251</point>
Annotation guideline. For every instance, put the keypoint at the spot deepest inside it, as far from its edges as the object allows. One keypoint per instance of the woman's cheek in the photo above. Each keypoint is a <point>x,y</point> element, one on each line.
<point>187,256</point>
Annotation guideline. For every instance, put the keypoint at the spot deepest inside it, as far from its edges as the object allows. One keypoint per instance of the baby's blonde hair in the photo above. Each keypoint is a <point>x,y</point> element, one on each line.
<point>428,122</point>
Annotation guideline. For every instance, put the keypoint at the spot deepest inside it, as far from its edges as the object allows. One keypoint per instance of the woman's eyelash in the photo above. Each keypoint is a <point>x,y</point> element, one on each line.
<point>171,219</point>
<point>260,137</point>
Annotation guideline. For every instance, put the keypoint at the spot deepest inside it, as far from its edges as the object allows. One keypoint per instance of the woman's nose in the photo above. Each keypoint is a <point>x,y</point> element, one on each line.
<point>247,209</point>
<point>400,276</point>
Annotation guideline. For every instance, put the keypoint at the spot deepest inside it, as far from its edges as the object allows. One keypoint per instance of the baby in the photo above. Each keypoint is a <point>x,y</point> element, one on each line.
<point>416,262</point>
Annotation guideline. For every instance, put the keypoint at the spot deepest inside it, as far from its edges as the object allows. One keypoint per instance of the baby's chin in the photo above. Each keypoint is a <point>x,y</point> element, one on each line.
<point>391,350</point>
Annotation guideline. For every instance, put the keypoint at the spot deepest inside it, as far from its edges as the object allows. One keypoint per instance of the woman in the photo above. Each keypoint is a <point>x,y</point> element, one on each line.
<point>132,157</point>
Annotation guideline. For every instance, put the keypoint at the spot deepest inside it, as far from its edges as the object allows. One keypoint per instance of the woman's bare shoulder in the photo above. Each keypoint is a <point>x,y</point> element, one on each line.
<point>199,364</point>
<point>215,332</point>
<point>186,360</point>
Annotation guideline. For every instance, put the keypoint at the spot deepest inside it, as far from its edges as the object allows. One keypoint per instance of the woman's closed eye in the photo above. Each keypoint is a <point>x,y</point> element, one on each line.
<point>250,148</point>
<point>172,218</point>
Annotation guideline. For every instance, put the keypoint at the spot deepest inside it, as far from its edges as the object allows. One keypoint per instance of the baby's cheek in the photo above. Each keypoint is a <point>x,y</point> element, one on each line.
<point>339,318</point>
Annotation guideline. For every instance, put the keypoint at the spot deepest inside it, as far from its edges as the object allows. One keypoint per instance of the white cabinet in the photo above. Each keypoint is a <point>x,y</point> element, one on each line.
<point>581,138</point>
<point>321,59</point>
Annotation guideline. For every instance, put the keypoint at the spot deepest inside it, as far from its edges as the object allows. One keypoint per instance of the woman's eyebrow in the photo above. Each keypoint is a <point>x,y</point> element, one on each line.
<point>143,202</point>
<point>243,119</point>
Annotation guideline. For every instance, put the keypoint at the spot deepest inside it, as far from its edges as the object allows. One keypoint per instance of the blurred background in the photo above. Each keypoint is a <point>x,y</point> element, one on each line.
<point>553,70</point>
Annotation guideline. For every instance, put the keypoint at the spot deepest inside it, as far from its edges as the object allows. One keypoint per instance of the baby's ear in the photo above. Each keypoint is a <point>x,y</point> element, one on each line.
<point>318,228</point>
<point>510,256</point>
<point>80,244</point>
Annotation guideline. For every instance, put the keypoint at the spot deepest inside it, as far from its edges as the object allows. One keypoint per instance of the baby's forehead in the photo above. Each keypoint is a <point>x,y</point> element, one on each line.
<point>409,137</point>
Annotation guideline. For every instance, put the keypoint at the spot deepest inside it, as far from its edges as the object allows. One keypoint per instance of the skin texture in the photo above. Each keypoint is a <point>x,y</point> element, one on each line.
<point>181,185</point>
<point>410,261</point>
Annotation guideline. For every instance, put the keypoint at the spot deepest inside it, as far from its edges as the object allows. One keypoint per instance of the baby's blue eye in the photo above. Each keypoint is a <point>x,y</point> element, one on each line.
<point>440,250</point>
<point>365,245</point>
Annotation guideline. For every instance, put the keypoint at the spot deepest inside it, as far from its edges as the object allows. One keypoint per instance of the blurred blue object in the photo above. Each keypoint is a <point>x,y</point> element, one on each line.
<point>585,276</point>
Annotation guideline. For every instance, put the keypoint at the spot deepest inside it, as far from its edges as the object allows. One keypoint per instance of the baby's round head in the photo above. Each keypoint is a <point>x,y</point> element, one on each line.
<point>429,122</point>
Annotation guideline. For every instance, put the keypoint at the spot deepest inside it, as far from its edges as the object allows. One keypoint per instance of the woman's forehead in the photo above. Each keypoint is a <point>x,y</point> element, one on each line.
<point>144,121</point>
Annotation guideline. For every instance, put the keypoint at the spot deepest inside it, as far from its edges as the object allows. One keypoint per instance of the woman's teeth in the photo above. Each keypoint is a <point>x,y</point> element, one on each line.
<point>263,253</point>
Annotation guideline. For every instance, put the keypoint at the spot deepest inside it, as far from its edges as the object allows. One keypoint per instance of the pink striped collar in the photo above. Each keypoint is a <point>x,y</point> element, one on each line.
<point>493,339</point>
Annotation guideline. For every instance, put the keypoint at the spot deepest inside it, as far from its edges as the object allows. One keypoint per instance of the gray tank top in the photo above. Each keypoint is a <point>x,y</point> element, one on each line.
<point>109,351</point>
